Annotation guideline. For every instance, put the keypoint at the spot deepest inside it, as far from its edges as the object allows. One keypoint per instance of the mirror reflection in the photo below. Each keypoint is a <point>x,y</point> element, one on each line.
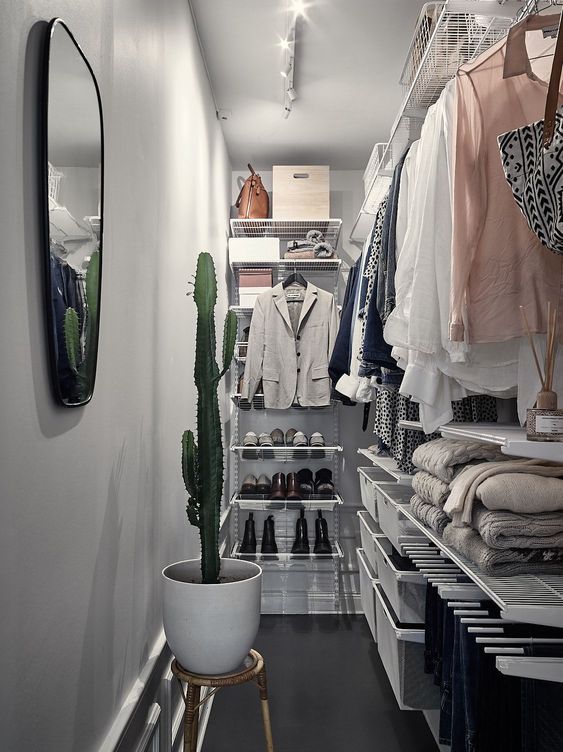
<point>74,154</point>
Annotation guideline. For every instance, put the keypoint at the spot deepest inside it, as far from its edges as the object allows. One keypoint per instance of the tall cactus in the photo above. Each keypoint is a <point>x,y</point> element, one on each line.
<point>202,463</point>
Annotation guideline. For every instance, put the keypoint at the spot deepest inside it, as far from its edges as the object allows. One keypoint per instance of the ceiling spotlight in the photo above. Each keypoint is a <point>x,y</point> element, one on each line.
<point>291,94</point>
<point>284,44</point>
<point>298,7</point>
<point>287,70</point>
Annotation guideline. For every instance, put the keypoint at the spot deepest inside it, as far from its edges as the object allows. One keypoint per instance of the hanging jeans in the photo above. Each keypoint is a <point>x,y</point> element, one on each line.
<point>445,732</point>
<point>542,707</point>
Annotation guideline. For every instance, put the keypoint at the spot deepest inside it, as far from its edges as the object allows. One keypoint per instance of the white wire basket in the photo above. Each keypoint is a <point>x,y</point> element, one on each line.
<point>54,179</point>
<point>373,165</point>
<point>425,26</point>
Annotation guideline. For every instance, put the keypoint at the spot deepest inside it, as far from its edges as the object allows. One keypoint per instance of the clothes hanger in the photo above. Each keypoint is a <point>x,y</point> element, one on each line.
<point>294,278</point>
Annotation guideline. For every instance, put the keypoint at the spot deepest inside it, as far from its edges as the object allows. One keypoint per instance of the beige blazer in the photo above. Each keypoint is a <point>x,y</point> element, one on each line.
<point>293,364</point>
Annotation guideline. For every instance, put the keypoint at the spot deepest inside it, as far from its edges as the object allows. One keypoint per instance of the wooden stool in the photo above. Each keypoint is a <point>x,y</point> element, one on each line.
<point>254,670</point>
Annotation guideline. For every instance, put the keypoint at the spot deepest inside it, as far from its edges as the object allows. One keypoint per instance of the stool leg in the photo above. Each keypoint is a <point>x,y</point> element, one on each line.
<point>191,717</point>
<point>263,687</point>
<point>195,726</point>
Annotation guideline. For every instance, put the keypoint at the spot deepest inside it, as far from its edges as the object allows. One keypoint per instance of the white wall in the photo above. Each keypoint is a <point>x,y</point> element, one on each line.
<point>92,498</point>
<point>346,197</point>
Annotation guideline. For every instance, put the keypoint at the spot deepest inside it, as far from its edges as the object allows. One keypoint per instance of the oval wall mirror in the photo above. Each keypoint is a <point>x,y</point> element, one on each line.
<point>72,178</point>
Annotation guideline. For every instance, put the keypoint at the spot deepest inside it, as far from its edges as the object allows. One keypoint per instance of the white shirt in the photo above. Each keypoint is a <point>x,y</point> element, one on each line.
<point>438,371</point>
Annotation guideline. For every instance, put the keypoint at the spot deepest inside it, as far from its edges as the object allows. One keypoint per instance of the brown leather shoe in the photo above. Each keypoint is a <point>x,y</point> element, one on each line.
<point>278,486</point>
<point>293,491</point>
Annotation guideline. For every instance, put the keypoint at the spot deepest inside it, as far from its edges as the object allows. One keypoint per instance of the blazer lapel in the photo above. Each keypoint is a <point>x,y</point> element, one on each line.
<point>308,303</point>
<point>281,304</point>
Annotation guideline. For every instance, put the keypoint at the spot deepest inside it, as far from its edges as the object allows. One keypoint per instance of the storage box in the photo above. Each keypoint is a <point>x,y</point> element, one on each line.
<point>301,192</point>
<point>401,648</point>
<point>369,530</point>
<point>254,249</point>
<point>252,283</point>
<point>403,585</point>
<point>255,278</point>
<point>247,299</point>
<point>367,592</point>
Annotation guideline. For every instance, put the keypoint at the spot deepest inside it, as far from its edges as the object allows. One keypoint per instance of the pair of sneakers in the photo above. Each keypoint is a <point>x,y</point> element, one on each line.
<point>299,439</point>
<point>276,438</point>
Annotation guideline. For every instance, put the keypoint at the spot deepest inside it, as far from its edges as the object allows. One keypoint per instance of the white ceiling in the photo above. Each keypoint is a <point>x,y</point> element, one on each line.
<point>350,55</point>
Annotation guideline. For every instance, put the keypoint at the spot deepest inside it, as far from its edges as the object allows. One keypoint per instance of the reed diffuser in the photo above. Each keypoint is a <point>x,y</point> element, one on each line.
<point>544,422</point>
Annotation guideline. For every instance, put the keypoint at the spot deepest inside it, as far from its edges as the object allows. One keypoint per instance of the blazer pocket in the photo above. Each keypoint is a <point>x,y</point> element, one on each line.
<point>319,372</point>
<point>270,375</point>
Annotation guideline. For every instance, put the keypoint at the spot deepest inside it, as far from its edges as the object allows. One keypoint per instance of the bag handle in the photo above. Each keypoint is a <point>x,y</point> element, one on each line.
<point>553,90</point>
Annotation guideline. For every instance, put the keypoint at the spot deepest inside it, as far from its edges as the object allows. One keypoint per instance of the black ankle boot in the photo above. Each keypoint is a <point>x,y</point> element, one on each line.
<point>248,545</point>
<point>322,543</point>
<point>269,537</point>
<point>301,542</point>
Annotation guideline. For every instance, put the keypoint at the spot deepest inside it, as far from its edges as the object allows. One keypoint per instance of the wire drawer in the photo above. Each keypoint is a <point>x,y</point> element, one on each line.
<point>369,530</point>
<point>401,648</point>
<point>368,477</point>
<point>367,583</point>
<point>389,497</point>
<point>405,588</point>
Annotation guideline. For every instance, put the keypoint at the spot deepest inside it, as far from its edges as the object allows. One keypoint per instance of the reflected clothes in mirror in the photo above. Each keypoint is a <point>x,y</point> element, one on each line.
<point>66,292</point>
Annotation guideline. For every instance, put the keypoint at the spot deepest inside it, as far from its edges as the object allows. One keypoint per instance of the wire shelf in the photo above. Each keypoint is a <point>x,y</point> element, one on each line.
<point>286,454</point>
<point>264,504</point>
<point>287,556</point>
<point>286,229</point>
<point>241,312</point>
<point>284,266</point>
<point>245,312</point>
<point>511,439</point>
<point>258,404</point>
<point>533,599</point>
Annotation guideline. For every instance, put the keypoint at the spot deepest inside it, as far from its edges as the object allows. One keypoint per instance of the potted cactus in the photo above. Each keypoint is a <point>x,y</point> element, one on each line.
<point>211,605</point>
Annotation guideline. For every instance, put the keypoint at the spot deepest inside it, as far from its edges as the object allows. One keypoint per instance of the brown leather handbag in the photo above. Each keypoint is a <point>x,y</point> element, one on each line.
<point>253,201</point>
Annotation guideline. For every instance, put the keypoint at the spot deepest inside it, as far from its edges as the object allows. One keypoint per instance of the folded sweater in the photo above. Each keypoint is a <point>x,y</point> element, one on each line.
<point>429,514</point>
<point>520,492</point>
<point>499,563</point>
<point>501,529</point>
<point>442,457</point>
<point>430,488</point>
<point>463,489</point>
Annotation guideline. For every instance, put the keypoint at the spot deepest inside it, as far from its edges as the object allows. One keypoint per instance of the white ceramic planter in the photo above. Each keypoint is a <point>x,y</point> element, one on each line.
<point>211,628</point>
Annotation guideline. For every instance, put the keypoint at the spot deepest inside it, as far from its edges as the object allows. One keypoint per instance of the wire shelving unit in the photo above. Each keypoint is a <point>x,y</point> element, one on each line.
<point>291,583</point>
<point>447,35</point>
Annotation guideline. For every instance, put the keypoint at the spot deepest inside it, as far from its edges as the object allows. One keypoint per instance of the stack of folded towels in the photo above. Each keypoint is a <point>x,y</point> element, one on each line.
<point>502,513</point>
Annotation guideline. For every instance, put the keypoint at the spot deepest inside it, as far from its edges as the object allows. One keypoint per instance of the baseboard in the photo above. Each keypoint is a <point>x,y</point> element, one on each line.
<point>151,718</point>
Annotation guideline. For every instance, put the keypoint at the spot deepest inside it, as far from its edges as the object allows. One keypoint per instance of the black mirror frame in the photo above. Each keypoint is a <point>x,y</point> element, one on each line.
<point>44,207</point>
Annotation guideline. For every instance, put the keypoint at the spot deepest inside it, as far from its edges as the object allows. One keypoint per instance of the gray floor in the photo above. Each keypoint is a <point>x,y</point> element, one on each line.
<point>328,693</point>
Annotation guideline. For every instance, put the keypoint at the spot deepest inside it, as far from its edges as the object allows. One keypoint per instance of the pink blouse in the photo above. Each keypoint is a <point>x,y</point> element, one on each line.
<point>498,264</point>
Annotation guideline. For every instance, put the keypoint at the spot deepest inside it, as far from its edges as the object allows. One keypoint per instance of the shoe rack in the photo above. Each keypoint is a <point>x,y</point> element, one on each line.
<point>292,583</point>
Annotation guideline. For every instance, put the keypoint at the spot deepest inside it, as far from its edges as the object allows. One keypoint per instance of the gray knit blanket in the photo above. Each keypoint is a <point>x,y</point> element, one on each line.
<point>463,489</point>
<point>520,492</point>
<point>510,530</point>
<point>442,457</point>
<point>430,488</point>
<point>429,514</point>
<point>506,562</point>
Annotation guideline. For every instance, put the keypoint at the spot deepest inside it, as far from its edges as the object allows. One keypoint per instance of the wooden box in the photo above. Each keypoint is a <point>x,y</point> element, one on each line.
<point>301,192</point>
